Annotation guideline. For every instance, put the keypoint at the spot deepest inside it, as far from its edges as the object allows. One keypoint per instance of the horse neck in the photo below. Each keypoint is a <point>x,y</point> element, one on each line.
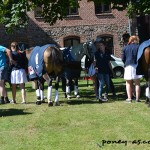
<point>77,52</point>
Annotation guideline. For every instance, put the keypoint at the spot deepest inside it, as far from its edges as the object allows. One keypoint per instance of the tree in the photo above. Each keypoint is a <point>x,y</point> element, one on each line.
<point>13,12</point>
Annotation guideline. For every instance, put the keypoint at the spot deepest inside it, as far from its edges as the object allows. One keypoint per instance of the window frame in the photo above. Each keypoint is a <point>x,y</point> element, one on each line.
<point>71,38</point>
<point>102,5</point>
<point>70,13</point>
<point>110,46</point>
<point>40,10</point>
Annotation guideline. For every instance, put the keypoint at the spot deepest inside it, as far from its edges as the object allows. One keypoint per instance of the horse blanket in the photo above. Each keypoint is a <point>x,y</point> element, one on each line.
<point>36,61</point>
<point>141,48</point>
<point>67,54</point>
<point>72,67</point>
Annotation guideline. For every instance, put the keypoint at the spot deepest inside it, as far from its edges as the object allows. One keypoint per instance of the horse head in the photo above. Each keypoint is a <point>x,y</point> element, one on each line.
<point>89,48</point>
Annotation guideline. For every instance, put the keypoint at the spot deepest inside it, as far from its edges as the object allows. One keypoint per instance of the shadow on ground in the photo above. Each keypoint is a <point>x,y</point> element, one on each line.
<point>12,112</point>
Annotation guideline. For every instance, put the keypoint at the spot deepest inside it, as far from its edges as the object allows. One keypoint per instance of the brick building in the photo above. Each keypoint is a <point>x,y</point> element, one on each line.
<point>82,24</point>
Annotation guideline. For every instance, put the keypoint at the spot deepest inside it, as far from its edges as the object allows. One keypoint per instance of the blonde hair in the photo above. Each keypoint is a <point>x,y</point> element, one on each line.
<point>133,39</point>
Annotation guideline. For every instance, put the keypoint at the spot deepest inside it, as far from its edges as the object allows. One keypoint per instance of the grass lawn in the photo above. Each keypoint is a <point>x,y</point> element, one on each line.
<point>78,124</point>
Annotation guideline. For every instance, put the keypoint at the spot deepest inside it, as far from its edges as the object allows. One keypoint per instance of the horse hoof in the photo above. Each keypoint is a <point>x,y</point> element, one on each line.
<point>38,102</point>
<point>56,104</point>
<point>50,104</point>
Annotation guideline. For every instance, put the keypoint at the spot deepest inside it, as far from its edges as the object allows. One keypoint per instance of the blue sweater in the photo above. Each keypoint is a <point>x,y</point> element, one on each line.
<point>129,54</point>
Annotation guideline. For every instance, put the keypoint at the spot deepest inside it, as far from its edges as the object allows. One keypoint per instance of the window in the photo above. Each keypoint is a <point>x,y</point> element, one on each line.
<point>38,12</point>
<point>108,39</point>
<point>102,8</point>
<point>72,11</point>
<point>71,41</point>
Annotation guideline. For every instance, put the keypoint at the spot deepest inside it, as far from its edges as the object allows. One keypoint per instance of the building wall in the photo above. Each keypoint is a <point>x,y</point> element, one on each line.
<point>87,26</point>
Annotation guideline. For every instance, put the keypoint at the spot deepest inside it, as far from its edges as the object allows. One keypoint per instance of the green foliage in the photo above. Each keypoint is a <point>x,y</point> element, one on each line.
<point>138,7</point>
<point>13,12</point>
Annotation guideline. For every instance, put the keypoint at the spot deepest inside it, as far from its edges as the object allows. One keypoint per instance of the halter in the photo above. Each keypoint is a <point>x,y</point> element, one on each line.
<point>90,48</point>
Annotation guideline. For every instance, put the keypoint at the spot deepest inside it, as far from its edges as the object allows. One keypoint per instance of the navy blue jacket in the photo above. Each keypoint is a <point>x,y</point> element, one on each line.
<point>102,62</point>
<point>20,60</point>
<point>129,54</point>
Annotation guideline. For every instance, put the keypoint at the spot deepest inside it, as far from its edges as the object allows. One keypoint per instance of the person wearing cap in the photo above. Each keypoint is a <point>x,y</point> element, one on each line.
<point>4,52</point>
<point>102,65</point>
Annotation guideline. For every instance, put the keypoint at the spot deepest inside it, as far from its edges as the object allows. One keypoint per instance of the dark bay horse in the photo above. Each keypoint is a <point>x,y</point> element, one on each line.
<point>54,61</point>
<point>72,68</point>
<point>42,62</point>
<point>143,66</point>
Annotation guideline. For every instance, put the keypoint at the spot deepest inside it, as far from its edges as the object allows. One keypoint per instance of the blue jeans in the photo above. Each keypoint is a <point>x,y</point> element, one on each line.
<point>103,78</point>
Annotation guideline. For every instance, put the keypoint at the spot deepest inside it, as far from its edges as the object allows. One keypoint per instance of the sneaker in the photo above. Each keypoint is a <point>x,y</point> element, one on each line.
<point>101,99</point>
<point>77,96</point>
<point>23,102</point>
<point>105,96</point>
<point>105,100</point>
<point>128,100</point>
<point>138,101</point>
<point>13,102</point>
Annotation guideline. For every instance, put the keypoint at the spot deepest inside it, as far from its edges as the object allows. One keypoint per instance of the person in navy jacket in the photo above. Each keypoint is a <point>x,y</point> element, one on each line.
<point>102,66</point>
<point>129,57</point>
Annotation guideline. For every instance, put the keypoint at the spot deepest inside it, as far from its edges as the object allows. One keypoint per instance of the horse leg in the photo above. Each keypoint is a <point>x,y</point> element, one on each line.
<point>41,87</point>
<point>68,89</point>
<point>149,95</point>
<point>49,91</point>
<point>148,89</point>
<point>56,92</point>
<point>37,89</point>
<point>76,92</point>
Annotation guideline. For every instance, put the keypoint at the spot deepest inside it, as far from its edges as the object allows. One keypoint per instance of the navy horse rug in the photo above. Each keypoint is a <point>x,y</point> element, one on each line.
<point>36,62</point>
